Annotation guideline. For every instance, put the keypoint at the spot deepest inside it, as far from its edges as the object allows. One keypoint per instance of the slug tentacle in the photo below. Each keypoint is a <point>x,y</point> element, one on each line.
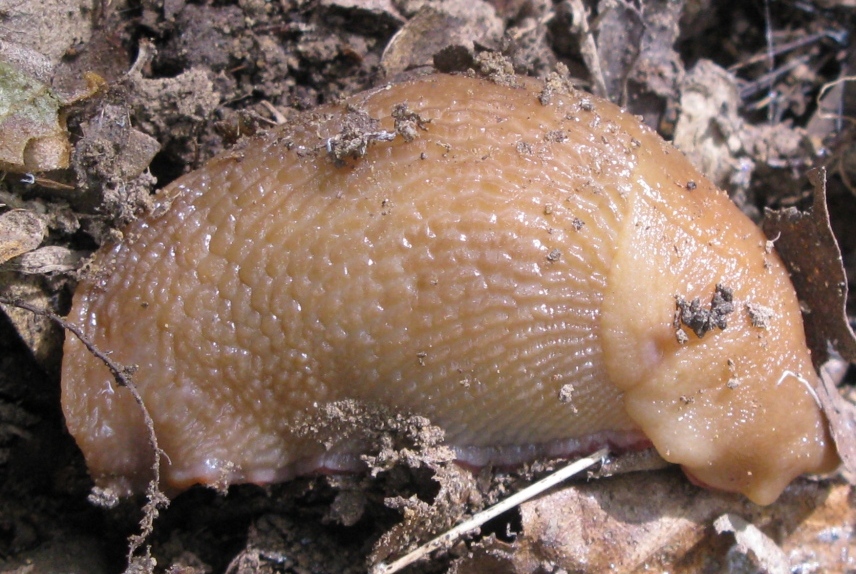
<point>510,273</point>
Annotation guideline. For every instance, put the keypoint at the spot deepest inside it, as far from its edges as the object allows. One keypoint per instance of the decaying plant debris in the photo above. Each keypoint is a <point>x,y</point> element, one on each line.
<point>133,93</point>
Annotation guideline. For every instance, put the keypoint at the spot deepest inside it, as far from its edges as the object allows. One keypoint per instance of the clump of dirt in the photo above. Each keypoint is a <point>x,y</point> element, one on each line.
<point>358,131</point>
<point>409,469</point>
<point>700,320</point>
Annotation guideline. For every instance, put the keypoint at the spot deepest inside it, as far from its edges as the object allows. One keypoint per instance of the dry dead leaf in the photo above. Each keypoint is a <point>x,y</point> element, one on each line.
<point>842,421</point>
<point>20,231</point>
<point>49,259</point>
<point>33,135</point>
<point>809,250</point>
<point>436,27</point>
<point>811,254</point>
<point>657,521</point>
<point>635,49</point>
<point>620,30</point>
<point>751,540</point>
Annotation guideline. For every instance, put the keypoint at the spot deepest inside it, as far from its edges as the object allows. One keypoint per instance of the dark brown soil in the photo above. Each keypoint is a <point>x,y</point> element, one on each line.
<point>151,89</point>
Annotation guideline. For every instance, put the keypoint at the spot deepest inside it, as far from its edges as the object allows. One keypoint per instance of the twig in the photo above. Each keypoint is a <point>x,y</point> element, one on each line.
<point>818,100</point>
<point>445,539</point>
<point>768,80</point>
<point>278,116</point>
<point>773,51</point>
<point>771,60</point>
<point>156,499</point>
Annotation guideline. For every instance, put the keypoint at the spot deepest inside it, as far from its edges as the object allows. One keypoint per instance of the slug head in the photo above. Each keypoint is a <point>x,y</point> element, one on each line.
<point>723,388</point>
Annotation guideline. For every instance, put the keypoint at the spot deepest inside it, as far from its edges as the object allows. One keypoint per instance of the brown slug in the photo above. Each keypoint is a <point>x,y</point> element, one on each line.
<point>535,277</point>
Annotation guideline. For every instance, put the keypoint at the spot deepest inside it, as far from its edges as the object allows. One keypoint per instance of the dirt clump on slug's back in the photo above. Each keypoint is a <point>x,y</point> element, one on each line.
<point>701,320</point>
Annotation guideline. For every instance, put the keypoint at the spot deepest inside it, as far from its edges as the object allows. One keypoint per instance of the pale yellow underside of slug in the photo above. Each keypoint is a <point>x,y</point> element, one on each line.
<point>511,250</point>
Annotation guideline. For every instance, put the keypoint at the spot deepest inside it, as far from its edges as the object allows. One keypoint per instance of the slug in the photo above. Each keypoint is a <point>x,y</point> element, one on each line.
<point>535,275</point>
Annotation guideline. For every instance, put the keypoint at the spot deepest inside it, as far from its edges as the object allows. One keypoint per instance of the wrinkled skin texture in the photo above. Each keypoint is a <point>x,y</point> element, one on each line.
<point>511,254</point>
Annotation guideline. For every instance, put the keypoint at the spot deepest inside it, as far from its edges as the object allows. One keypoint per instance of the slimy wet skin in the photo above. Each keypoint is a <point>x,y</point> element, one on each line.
<point>506,268</point>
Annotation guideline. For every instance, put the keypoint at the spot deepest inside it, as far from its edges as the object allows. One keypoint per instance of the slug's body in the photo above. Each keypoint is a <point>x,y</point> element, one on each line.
<point>511,254</point>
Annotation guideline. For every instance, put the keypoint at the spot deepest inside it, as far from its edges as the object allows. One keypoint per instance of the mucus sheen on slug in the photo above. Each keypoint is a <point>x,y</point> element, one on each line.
<point>510,251</point>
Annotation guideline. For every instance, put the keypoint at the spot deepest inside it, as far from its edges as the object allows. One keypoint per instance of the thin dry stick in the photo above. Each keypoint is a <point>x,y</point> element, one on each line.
<point>122,375</point>
<point>445,539</point>
<point>818,101</point>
